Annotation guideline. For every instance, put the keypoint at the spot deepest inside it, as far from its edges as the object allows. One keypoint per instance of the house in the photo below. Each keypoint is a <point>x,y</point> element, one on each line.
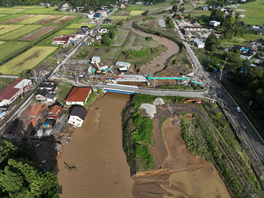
<point>122,64</point>
<point>90,15</point>
<point>81,31</point>
<point>103,13</point>
<point>198,43</point>
<point>97,16</point>
<point>259,33</point>
<point>51,97</point>
<point>243,23</point>
<point>96,58</point>
<point>246,56</point>
<point>15,89</point>
<point>65,6</point>
<point>122,6</point>
<point>54,115</point>
<point>98,37</point>
<point>108,21</point>
<point>77,116</point>
<point>42,94</point>
<point>255,26</point>
<point>214,23</point>
<point>42,3</point>
<point>61,40</point>
<point>48,85</point>
<point>205,8</point>
<point>259,42</point>
<point>102,30</point>
<point>108,10</point>
<point>78,95</point>
<point>86,28</point>
<point>248,45</point>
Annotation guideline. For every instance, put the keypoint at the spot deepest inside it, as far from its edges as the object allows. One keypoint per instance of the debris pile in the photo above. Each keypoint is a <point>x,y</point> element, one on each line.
<point>158,101</point>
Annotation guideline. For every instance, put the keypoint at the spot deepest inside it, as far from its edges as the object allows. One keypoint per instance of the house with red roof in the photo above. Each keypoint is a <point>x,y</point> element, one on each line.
<point>63,39</point>
<point>55,114</point>
<point>15,89</point>
<point>78,95</point>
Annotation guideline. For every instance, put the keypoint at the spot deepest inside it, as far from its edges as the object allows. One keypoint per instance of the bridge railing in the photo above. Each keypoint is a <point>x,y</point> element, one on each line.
<point>180,90</point>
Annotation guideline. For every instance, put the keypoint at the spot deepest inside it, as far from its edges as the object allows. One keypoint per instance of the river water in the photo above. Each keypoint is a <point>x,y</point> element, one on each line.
<point>96,150</point>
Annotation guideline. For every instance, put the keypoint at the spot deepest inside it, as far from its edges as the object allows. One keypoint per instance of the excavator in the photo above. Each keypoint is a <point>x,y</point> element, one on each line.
<point>194,100</point>
<point>99,70</point>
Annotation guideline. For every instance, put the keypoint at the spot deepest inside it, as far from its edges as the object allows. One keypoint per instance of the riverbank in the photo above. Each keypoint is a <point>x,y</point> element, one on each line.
<point>96,151</point>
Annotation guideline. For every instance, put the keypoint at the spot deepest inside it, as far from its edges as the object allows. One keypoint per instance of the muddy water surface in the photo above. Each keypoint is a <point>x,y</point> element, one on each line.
<point>96,150</point>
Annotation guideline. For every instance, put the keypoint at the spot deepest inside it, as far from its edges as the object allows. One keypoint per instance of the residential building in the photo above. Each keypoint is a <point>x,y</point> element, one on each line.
<point>108,21</point>
<point>86,28</point>
<point>95,58</point>
<point>42,94</point>
<point>98,37</point>
<point>103,13</point>
<point>259,33</point>
<point>214,23</point>
<point>61,40</point>
<point>198,43</point>
<point>97,16</point>
<point>205,8</point>
<point>48,85</point>
<point>90,15</point>
<point>51,97</point>
<point>55,114</point>
<point>249,45</point>
<point>81,31</point>
<point>102,30</point>
<point>77,116</point>
<point>15,89</point>
<point>65,6</point>
<point>78,95</point>
<point>122,6</point>
<point>247,56</point>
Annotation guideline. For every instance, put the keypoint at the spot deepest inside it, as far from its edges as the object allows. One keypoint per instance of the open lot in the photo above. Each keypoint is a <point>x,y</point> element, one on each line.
<point>10,10</point>
<point>134,13</point>
<point>27,60</point>
<point>120,38</point>
<point>63,19</point>
<point>254,12</point>
<point>119,17</point>
<point>8,28</point>
<point>42,10</point>
<point>104,53</point>
<point>34,19</point>
<point>19,32</point>
<point>49,19</point>
<point>18,19</point>
<point>8,48</point>
<point>38,33</point>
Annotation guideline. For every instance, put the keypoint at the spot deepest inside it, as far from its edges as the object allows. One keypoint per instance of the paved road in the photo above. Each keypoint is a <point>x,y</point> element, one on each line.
<point>7,76</point>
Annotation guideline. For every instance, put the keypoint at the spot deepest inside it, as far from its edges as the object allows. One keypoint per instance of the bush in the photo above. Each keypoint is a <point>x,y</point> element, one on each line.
<point>145,13</point>
<point>149,39</point>
<point>106,40</point>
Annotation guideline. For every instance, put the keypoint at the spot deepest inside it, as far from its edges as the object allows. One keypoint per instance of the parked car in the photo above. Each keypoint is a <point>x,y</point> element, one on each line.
<point>238,109</point>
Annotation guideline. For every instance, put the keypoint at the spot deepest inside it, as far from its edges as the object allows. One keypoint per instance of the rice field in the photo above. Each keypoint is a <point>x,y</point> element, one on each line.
<point>8,48</point>
<point>77,26</point>
<point>42,10</point>
<point>1,15</point>
<point>2,42</point>
<point>34,19</point>
<point>10,10</point>
<point>8,28</point>
<point>19,32</point>
<point>254,12</point>
<point>27,60</point>
<point>119,17</point>
<point>134,13</point>
<point>9,17</point>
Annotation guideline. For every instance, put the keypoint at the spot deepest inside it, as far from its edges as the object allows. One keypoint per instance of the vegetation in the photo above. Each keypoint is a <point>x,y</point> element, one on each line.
<point>175,87</point>
<point>82,55</point>
<point>8,48</point>
<point>144,13</point>
<point>8,28</point>
<point>19,176</point>
<point>19,32</point>
<point>161,126</point>
<point>64,91</point>
<point>169,23</point>
<point>34,19</point>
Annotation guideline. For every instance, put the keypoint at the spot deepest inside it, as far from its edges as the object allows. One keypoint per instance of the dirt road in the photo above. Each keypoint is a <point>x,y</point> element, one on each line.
<point>96,151</point>
<point>160,62</point>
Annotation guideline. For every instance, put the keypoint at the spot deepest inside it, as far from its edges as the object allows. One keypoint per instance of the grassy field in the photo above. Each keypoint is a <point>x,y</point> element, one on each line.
<point>197,13</point>
<point>48,41</point>
<point>104,53</point>
<point>10,16</point>
<point>42,10</point>
<point>151,8</point>
<point>8,48</point>
<point>134,13</point>
<point>118,17</point>
<point>188,5</point>
<point>64,91</point>
<point>27,60</point>
<point>120,38</point>
<point>1,15</point>
<point>34,19</point>
<point>19,32</point>
<point>10,10</point>
<point>77,26</point>
<point>8,28</point>
<point>2,42</point>
<point>254,12</point>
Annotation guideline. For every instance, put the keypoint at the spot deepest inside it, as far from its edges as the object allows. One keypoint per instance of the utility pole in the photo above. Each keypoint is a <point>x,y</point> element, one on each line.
<point>221,75</point>
<point>250,103</point>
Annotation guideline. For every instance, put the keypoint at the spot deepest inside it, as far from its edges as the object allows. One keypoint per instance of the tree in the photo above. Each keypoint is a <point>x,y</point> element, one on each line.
<point>174,8</point>
<point>106,40</point>
<point>247,95</point>
<point>246,63</point>
<point>25,74</point>
<point>145,13</point>
<point>211,42</point>
<point>189,16</point>
<point>217,15</point>
<point>169,23</point>
<point>112,33</point>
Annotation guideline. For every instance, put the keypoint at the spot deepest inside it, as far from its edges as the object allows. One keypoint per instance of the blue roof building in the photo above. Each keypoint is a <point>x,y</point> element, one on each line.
<point>97,15</point>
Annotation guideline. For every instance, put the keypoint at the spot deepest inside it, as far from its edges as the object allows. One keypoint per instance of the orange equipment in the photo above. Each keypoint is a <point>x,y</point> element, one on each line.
<point>190,100</point>
<point>194,100</point>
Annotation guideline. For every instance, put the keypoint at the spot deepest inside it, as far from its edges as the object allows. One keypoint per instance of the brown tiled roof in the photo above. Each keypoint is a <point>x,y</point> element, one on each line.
<point>78,94</point>
<point>54,112</point>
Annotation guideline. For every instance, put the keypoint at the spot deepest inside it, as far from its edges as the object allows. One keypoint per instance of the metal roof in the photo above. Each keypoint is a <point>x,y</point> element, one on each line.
<point>198,42</point>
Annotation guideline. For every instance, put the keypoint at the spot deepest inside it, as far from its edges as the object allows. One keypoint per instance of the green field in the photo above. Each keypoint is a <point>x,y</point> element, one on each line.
<point>134,13</point>
<point>25,7</point>
<point>254,12</point>
<point>120,38</point>
<point>150,8</point>
<point>1,15</point>
<point>2,42</point>
<point>48,41</point>
<point>10,16</point>
<point>118,17</point>
<point>104,53</point>
<point>197,13</point>
<point>27,60</point>
<point>10,10</point>
<point>8,48</point>
<point>19,32</point>
<point>77,26</point>
<point>34,19</point>
<point>42,10</point>
<point>8,28</point>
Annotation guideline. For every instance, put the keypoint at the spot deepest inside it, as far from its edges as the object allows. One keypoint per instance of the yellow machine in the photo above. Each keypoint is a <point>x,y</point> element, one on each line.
<point>99,70</point>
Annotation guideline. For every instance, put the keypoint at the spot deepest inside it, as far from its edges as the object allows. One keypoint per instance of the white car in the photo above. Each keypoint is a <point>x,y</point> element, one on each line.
<point>238,109</point>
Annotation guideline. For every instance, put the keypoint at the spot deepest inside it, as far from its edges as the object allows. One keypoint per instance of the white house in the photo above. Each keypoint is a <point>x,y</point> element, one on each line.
<point>214,23</point>
<point>42,94</point>
<point>77,116</point>
<point>65,6</point>
<point>61,40</point>
<point>51,97</point>
<point>78,96</point>
<point>102,30</point>
<point>103,13</point>
<point>15,89</point>
<point>198,43</point>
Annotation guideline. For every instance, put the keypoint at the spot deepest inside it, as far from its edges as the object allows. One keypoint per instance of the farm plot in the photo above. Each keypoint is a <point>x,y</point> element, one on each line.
<point>34,19</point>
<point>42,11</point>
<point>134,13</point>
<point>49,19</point>
<point>120,38</point>
<point>19,32</point>
<point>2,42</point>
<point>18,19</point>
<point>254,12</point>
<point>63,19</point>
<point>27,60</point>
<point>104,53</point>
<point>38,33</point>
<point>6,49</point>
<point>10,16</point>
<point>119,17</point>
<point>122,13</point>
<point>77,26</point>
<point>10,10</point>
<point>1,15</point>
<point>8,28</point>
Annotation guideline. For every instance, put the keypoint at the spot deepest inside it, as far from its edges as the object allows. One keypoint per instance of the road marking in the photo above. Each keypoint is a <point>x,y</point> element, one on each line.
<point>250,136</point>
<point>259,151</point>
<point>244,125</point>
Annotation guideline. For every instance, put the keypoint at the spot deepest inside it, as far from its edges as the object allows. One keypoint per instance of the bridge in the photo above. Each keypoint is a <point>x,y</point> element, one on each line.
<point>117,88</point>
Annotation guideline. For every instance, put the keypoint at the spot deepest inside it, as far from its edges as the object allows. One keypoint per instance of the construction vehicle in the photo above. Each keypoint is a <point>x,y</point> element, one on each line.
<point>194,100</point>
<point>99,70</point>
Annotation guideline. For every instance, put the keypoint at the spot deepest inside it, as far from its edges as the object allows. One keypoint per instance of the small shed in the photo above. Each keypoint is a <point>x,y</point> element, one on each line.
<point>198,43</point>
<point>96,58</point>
<point>214,23</point>
<point>123,69</point>
<point>122,64</point>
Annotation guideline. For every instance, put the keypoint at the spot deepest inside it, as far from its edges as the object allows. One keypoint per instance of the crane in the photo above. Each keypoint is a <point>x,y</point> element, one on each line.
<point>99,70</point>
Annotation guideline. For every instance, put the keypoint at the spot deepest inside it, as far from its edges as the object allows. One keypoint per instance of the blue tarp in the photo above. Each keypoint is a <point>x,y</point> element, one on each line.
<point>215,70</point>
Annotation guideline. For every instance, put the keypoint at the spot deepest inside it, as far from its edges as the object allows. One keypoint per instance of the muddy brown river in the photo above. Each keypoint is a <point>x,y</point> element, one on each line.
<point>96,150</point>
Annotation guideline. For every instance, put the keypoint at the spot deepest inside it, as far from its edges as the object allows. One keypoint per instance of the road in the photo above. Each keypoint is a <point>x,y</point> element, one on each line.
<point>7,76</point>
